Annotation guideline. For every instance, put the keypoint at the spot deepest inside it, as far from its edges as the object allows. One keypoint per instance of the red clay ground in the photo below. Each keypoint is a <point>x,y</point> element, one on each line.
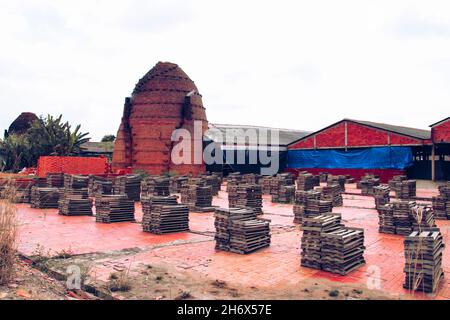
<point>188,259</point>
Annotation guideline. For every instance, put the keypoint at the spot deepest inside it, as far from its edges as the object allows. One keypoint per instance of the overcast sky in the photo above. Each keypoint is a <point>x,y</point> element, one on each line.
<point>288,64</point>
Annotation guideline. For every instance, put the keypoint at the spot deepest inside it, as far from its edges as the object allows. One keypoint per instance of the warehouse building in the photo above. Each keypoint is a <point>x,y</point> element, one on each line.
<point>440,135</point>
<point>248,147</point>
<point>355,147</point>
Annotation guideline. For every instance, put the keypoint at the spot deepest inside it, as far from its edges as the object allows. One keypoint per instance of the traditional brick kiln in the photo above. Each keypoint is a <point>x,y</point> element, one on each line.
<point>165,99</point>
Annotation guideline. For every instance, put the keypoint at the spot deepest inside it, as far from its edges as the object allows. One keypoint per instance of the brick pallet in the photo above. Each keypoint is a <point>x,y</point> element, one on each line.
<point>367,185</point>
<point>98,180</point>
<point>100,188</point>
<point>176,183</point>
<point>405,189</point>
<point>339,180</point>
<point>55,180</point>
<point>75,202</point>
<point>214,182</point>
<point>332,193</point>
<point>156,186</point>
<point>396,179</point>
<point>386,221</point>
<point>72,181</point>
<point>441,203</point>
<point>166,219</point>
<point>323,176</point>
<point>264,182</point>
<point>223,219</point>
<point>286,194</point>
<point>300,201</point>
<point>381,195</point>
<point>342,251</point>
<point>305,182</point>
<point>149,201</point>
<point>44,198</point>
<point>233,179</point>
<point>402,217</point>
<point>311,242</point>
<point>250,196</point>
<point>114,208</point>
<point>249,236</point>
<point>198,198</point>
<point>251,178</point>
<point>129,185</point>
<point>423,260</point>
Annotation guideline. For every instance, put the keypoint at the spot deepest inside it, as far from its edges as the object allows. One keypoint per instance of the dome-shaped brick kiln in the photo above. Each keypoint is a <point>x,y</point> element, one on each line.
<point>22,123</point>
<point>165,99</point>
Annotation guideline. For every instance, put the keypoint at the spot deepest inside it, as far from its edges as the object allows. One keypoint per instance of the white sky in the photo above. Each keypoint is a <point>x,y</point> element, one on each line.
<point>289,64</point>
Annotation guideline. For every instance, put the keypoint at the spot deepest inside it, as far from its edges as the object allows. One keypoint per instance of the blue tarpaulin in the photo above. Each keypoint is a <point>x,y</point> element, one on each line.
<point>367,158</point>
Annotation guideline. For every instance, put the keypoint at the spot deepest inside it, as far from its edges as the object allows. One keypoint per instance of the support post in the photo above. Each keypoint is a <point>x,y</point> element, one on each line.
<point>433,163</point>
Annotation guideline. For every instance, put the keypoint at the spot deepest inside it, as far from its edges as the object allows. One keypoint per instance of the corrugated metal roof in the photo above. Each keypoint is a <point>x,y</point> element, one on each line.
<point>285,136</point>
<point>412,132</point>
<point>98,147</point>
<point>439,122</point>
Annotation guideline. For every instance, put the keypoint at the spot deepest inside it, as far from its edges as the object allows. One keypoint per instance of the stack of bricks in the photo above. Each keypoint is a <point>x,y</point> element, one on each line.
<point>114,208</point>
<point>323,176</point>
<point>72,181</point>
<point>250,196</point>
<point>396,179</point>
<point>238,231</point>
<point>128,185</point>
<point>402,217</point>
<point>386,222</point>
<point>305,182</point>
<point>55,180</point>
<point>330,246</point>
<point>381,195</point>
<point>222,222</point>
<point>155,186</point>
<point>405,189</point>
<point>265,184</point>
<point>99,185</point>
<point>164,219</point>
<point>44,198</point>
<point>342,251</point>
<point>339,180</point>
<point>185,188</point>
<point>332,193</point>
<point>311,243</point>
<point>301,199</point>
<point>251,178</point>
<point>286,194</point>
<point>148,201</point>
<point>423,260</point>
<point>199,198</point>
<point>75,202</point>
<point>16,190</point>
<point>441,203</point>
<point>367,185</point>
<point>214,182</point>
<point>233,179</point>
<point>176,183</point>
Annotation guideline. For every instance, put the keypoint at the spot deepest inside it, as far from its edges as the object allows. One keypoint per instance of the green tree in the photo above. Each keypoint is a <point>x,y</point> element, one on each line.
<point>46,136</point>
<point>16,152</point>
<point>109,138</point>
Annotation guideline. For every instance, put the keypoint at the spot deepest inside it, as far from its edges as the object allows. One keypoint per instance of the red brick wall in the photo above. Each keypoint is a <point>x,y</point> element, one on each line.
<point>441,133</point>
<point>72,165</point>
<point>357,136</point>
<point>332,137</point>
<point>360,136</point>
